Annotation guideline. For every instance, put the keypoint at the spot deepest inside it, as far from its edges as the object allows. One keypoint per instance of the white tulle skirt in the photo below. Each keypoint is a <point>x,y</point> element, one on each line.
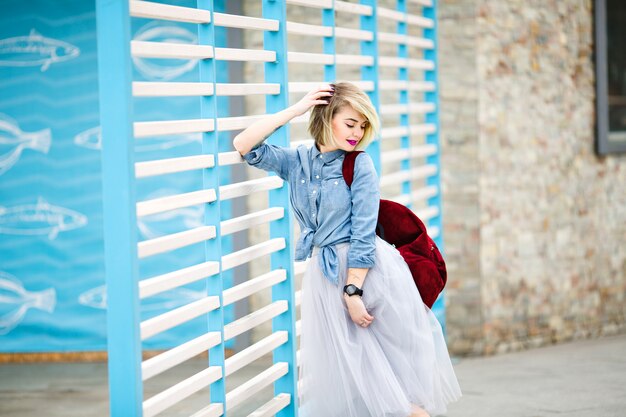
<point>378,371</point>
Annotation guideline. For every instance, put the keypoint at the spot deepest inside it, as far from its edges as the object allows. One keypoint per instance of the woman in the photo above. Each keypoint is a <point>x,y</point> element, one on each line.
<point>369,347</point>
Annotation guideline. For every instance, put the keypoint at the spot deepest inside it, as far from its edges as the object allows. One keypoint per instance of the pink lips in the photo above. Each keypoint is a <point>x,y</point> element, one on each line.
<point>352,142</point>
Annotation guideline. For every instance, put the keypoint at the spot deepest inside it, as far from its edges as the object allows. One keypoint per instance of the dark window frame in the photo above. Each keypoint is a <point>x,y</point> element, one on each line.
<point>604,144</point>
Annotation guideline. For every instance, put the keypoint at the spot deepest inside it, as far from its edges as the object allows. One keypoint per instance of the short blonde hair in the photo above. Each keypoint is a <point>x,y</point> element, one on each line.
<point>346,94</point>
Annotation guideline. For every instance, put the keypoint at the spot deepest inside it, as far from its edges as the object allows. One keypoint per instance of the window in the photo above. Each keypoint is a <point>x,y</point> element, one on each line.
<point>610,28</point>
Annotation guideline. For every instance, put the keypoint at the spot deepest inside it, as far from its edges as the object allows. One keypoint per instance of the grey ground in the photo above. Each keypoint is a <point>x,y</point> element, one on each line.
<point>578,379</point>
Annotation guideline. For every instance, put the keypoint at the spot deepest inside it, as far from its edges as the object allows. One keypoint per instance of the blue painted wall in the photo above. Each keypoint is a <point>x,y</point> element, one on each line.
<point>51,242</point>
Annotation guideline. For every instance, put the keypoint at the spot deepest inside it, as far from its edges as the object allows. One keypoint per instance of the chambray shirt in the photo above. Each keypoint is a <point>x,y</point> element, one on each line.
<point>326,209</point>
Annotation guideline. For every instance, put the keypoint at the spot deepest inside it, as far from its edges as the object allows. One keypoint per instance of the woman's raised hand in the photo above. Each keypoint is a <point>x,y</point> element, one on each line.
<point>313,98</point>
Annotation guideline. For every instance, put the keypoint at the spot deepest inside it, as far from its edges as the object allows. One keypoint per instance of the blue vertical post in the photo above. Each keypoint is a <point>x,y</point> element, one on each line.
<point>120,223</point>
<point>433,138</point>
<point>328,20</point>
<point>277,72</point>
<point>210,180</point>
<point>403,75</point>
<point>224,144</point>
<point>370,73</point>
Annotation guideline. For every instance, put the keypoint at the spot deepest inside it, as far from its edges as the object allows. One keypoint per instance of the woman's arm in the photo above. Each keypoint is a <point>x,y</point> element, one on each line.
<point>258,131</point>
<point>355,305</point>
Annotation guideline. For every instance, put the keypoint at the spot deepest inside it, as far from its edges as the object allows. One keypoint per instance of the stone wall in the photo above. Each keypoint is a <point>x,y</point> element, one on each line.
<point>551,248</point>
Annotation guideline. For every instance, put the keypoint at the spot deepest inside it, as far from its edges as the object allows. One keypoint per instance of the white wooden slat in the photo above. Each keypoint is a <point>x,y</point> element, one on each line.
<point>273,406</point>
<point>246,89</point>
<point>255,318</point>
<point>245,22</point>
<point>249,55</point>
<point>398,16</point>
<point>298,297</point>
<point>178,316</point>
<point>298,358</point>
<point>419,194</point>
<point>180,391</point>
<point>423,43</point>
<point>247,288</point>
<point>394,132</point>
<point>391,14</point>
<point>236,123</point>
<point>392,61</point>
<point>420,21</point>
<point>168,50</point>
<point>173,165</point>
<point>349,7</point>
<point>309,30</point>
<point>160,283</point>
<point>172,127</point>
<point>247,221</point>
<point>411,108</point>
<point>404,85</point>
<point>167,360</point>
<point>229,158</point>
<point>305,87</point>
<point>408,175</point>
<point>300,267</point>
<point>346,59</point>
<point>318,4</point>
<point>422,129</point>
<point>407,154</point>
<point>298,328</point>
<point>152,10</point>
<point>173,89</point>
<point>174,241</point>
<point>346,33</point>
<point>310,58</point>
<point>427,213</point>
<point>159,205</point>
<point>254,352</point>
<point>427,3</point>
<point>212,410</point>
<point>253,252</point>
<point>246,390</point>
<point>244,188</point>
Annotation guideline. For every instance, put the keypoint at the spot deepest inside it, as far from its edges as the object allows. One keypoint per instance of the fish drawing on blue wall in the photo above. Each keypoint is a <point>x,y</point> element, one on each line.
<point>164,69</point>
<point>13,141</point>
<point>41,218</point>
<point>34,50</point>
<point>15,301</point>
<point>167,300</point>
<point>92,139</point>
<point>170,221</point>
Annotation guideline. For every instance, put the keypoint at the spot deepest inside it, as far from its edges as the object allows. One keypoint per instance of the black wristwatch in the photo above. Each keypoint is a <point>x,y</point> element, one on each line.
<point>352,289</point>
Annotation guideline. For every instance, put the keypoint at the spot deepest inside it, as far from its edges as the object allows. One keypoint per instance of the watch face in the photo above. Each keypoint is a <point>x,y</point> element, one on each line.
<point>351,290</point>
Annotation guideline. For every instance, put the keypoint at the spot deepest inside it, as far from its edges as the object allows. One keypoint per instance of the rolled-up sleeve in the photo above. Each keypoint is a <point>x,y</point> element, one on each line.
<point>270,157</point>
<point>365,203</point>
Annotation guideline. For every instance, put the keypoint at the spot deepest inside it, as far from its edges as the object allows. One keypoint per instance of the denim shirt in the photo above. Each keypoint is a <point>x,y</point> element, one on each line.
<point>328,211</point>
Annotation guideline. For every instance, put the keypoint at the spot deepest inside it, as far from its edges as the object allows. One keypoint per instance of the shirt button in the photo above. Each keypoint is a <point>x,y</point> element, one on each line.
<point>317,176</point>
<point>336,182</point>
<point>302,181</point>
<point>314,191</point>
<point>314,215</point>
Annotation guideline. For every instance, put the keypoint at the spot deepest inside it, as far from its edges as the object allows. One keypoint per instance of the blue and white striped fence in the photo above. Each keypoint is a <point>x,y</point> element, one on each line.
<point>124,252</point>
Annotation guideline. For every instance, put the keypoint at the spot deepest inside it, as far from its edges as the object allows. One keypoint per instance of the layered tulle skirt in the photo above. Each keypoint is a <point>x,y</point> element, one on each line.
<point>378,371</point>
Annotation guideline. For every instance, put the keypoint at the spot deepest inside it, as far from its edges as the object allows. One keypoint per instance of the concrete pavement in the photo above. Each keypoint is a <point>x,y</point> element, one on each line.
<point>577,379</point>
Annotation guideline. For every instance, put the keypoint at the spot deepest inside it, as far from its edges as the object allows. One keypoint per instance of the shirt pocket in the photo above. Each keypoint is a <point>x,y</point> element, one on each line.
<point>335,194</point>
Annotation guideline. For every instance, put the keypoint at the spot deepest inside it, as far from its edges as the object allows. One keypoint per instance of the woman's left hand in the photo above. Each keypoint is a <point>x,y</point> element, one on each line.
<point>357,311</point>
